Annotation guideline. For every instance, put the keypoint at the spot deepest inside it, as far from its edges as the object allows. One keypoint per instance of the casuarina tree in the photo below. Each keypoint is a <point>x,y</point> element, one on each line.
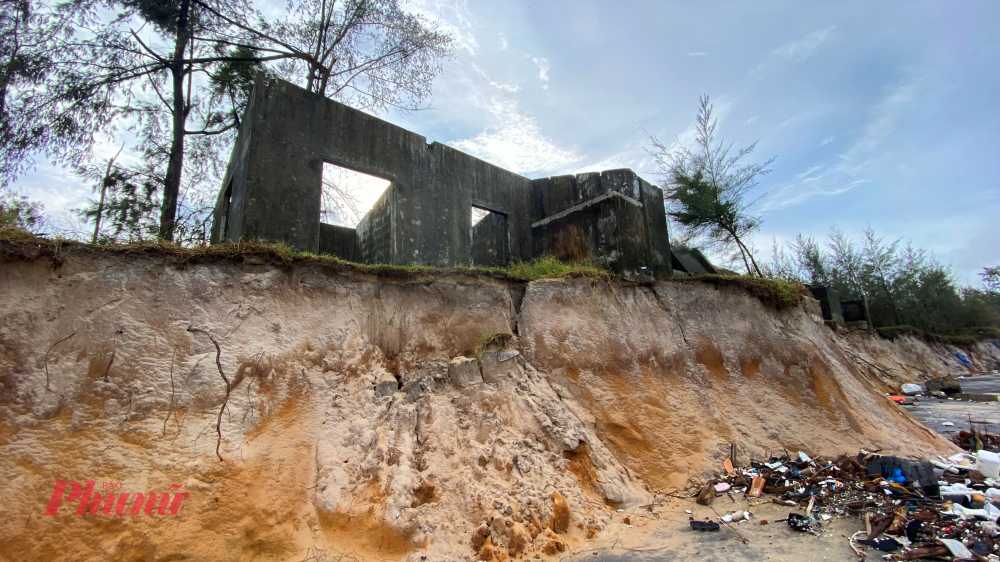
<point>708,187</point>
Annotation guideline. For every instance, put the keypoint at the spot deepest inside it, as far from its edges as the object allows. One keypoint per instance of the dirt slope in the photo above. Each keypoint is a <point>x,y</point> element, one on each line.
<point>620,390</point>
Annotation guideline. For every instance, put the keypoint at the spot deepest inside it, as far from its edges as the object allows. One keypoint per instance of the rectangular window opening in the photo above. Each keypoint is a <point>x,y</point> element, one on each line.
<point>348,195</point>
<point>489,237</point>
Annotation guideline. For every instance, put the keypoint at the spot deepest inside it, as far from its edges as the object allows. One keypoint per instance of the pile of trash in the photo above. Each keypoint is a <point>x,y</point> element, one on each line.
<point>912,510</point>
<point>973,440</point>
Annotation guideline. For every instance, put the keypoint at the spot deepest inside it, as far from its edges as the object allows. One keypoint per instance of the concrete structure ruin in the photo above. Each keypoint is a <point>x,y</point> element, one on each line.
<point>853,314</point>
<point>272,191</point>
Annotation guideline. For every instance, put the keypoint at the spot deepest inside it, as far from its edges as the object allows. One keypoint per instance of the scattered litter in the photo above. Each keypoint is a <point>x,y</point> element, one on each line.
<point>911,508</point>
<point>799,522</point>
<point>704,525</point>
<point>958,550</point>
<point>887,544</point>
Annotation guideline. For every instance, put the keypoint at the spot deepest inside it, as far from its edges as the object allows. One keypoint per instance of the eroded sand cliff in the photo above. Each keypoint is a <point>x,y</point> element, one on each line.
<point>621,390</point>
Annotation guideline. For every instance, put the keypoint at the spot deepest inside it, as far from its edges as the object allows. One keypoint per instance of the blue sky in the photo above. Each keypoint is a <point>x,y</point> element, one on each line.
<point>880,113</point>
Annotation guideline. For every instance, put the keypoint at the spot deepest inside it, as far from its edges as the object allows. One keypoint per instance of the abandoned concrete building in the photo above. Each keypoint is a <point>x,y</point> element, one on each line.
<point>272,191</point>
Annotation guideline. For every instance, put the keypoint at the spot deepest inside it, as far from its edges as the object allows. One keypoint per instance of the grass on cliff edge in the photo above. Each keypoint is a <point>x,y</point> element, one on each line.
<point>773,292</point>
<point>542,268</point>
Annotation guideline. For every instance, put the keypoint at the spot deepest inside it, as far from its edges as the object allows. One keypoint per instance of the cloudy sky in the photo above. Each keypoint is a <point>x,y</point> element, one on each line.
<point>880,113</point>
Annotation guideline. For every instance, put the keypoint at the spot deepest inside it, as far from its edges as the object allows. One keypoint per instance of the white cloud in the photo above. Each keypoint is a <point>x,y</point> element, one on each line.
<point>796,51</point>
<point>826,141</point>
<point>516,143</point>
<point>697,54</point>
<point>452,16</point>
<point>853,167</point>
<point>632,156</point>
<point>543,71</point>
<point>503,42</point>
<point>510,88</point>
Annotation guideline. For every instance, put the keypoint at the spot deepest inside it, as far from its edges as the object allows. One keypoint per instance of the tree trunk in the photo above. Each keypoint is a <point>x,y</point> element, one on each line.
<point>104,189</point>
<point>175,165</point>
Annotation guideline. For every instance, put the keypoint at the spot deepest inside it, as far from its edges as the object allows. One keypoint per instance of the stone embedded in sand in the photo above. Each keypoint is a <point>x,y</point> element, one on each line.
<point>487,551</point>
<point>518,541</point>
<point>560,514</point>
<point>464,372</point>
<point>495,370</point>
<point>553,547</point>
<point>387,385</point>
<point>479,536</point>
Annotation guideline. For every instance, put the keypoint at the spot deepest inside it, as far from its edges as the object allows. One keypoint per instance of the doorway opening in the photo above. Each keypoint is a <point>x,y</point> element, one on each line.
<point>490,240</point>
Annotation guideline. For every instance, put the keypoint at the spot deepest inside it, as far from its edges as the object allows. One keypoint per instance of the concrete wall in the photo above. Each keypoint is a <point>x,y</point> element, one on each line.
<point>613,218</point>
<point>338,241</point>
<point>829,301</point>
<point>272,191</point>
<point>491,241</point>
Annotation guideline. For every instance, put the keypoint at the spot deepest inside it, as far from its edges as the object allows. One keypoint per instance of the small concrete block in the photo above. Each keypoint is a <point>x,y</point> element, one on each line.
<point>387,385</point>
<point>498,365</point>
<point>464,372</point>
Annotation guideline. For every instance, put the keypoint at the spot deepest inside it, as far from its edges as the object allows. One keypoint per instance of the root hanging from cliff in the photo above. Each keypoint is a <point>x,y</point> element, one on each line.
<point>225,401</point>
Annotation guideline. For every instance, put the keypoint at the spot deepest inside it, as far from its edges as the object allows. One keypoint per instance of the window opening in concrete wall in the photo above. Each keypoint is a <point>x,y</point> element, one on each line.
<point>348,195</point>
<point>489,237</point>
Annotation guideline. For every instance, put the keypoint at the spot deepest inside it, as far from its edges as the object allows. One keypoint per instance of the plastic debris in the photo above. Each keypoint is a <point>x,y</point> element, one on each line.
<point>886,544</point>
<point>799,522</point>
<point>704,525</point>
<point>957,549</point>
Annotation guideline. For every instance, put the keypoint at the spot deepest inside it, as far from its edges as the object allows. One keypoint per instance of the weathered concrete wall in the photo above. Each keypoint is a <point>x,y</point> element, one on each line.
<point>608,230</point>
<point>227,219</point>
<point>433,187</point>
<point>490,241</point>
<point>338,241</point>
<point>272,191</point>
<point>829,301</point>
<point>613,218</point>
<point>692,262</point>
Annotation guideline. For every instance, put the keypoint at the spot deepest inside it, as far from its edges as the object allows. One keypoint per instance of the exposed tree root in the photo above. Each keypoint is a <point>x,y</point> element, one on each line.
<point>225,401</point>
<point>114,351</point>
<point>47,359</point>
<point>170,409</point>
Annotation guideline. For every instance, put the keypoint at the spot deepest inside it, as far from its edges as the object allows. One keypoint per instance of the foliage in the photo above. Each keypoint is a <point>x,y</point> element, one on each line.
<point>991,278</point>
<point>177,76</point>
<point>491,340</point>
<point>19,212</point>
<point>708,188</point>
<point>129,210</point>
<point>904,285</point>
